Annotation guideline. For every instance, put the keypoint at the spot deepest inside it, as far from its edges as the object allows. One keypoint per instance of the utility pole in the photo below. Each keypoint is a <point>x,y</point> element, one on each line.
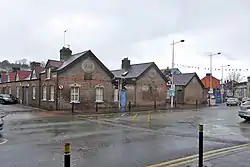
<point>64,37</point>
<point>210,78</point>
<point>172,73</point>
<point>222,84</point>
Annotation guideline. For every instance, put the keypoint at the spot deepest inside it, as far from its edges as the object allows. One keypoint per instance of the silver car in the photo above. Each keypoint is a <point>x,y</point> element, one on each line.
<point>244,111</point>
<point>233,101</point>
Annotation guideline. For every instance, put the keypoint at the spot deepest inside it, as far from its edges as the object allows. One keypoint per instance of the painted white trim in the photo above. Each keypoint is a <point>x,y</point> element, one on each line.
<point>75,85</point>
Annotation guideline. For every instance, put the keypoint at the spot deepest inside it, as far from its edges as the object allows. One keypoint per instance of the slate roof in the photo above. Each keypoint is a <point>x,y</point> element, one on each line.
<point>54,63</point>
<point>184,78</point>
<point>134,71</point>
<point>71,59</point>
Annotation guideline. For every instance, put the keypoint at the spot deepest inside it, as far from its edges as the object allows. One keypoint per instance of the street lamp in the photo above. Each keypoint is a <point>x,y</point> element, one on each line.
<point>222,85</point>
<point>211,86</point>
<point>172,72</point>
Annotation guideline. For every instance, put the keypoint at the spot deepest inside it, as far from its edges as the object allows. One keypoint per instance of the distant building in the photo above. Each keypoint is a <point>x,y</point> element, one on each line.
<point>189,89</point>
<point>206,81</point>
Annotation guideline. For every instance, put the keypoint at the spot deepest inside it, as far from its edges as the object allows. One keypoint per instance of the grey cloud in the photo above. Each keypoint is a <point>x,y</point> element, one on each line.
<point>25,28</point>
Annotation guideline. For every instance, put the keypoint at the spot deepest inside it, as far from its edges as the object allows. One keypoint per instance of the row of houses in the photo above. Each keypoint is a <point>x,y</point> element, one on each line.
<point>84,80</point>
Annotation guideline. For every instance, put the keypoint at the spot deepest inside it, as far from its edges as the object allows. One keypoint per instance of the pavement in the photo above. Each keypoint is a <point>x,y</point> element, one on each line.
<point>163,138</point>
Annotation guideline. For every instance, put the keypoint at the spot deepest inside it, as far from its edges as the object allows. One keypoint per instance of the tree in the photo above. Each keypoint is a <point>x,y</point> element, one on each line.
<point>232,79</point>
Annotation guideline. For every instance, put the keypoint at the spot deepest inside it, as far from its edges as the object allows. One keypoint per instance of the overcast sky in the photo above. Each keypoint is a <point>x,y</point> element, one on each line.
<point>141,30</point>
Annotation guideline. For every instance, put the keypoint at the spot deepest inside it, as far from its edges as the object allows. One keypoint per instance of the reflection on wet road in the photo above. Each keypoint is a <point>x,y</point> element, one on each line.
<point>117,140</point>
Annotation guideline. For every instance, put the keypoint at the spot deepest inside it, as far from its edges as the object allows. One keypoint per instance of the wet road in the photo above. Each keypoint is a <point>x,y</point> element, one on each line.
<point>31,140</point>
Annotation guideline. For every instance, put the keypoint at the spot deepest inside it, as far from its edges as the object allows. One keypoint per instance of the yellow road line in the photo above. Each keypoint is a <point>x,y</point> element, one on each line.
<point>205,157</point>
<point>196,155</point>
<point>134,117</point>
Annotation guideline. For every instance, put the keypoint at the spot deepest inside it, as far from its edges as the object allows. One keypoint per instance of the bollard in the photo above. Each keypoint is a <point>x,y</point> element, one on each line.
<point>67,155</point>
<point>196,104</point>
<point>129,106</point>
<point>73,107</point>
<point>96,107</point>
<point>149,117</point>
<point>200,145</point>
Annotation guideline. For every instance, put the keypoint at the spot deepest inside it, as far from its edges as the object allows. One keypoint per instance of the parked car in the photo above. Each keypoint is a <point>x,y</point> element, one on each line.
<point>244,99</point>
<point>7,99</point>
<point>233,101</point>
<point>244,111</point>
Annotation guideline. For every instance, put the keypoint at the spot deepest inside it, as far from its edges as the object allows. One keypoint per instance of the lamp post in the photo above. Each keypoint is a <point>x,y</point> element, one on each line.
<point>172,72</point>
<point>222,85</point>
<point>210,79</point>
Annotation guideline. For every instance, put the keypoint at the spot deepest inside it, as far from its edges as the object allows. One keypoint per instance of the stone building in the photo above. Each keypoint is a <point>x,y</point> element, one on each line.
<point>146,84</point>
<point>80,78</point>
<point>189,89</point>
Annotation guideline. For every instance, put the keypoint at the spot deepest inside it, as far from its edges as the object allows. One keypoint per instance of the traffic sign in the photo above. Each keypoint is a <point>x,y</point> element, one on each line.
<point>60,86</point>
<point>171,92</point>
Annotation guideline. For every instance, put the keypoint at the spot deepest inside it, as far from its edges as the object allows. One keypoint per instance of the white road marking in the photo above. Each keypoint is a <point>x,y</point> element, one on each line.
<point>4,141</point>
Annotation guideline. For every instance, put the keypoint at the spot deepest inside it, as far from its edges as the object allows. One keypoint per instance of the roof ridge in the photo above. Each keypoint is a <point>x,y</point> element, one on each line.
<point>142,63</point>
<point>80,52</point>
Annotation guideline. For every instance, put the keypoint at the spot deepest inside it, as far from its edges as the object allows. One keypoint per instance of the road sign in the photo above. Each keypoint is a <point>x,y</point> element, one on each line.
<point>123,100</point>
<point>171,92</point>
<point>60,86</point>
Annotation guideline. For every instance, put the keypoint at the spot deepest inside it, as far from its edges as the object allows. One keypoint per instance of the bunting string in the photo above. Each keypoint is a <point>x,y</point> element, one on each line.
<point>215,69</point>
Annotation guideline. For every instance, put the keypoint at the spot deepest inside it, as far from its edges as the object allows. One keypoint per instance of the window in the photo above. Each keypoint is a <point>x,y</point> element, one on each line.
<point>48,73</point>
<point>17,92</point>
<point>74,94</point>
<point>116,94</point>
<point>33,92</point>
<point>44,93</point>
<point>52,93</point>
<point>9,90</point>
<point>99,94</point>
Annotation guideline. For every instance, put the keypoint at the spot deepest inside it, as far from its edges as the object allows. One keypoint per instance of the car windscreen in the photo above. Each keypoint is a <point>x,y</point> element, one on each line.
<point>5,96</point>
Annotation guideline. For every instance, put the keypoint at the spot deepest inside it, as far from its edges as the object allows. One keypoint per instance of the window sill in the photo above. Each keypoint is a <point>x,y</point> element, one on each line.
<point>33,99</point>
<point>99,101</point>
<point>46,79</point>
<point>76,102</point>
<point>51,100</point>
<point>43,100</point>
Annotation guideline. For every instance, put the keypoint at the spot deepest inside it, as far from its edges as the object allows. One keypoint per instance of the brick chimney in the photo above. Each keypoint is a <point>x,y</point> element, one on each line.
<point>65,53</point>
<point>34,64</point>
<point>208,74</point>
<point>125,64</point>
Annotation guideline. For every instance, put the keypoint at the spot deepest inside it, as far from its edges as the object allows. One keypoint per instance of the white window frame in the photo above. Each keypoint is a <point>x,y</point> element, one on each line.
<point>17,91</point>
<point>116,94</point>
<point>48,73</point>
<point>99,92</point>
<point>75,94</point>
<point>33,75</point>
<point>44,93</point>
<point>17,77</point>
<point>52,93</point>
<point>33,92</point>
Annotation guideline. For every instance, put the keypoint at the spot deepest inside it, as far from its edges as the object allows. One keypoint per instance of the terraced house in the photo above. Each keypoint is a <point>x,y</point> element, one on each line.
<point>84,80</point>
